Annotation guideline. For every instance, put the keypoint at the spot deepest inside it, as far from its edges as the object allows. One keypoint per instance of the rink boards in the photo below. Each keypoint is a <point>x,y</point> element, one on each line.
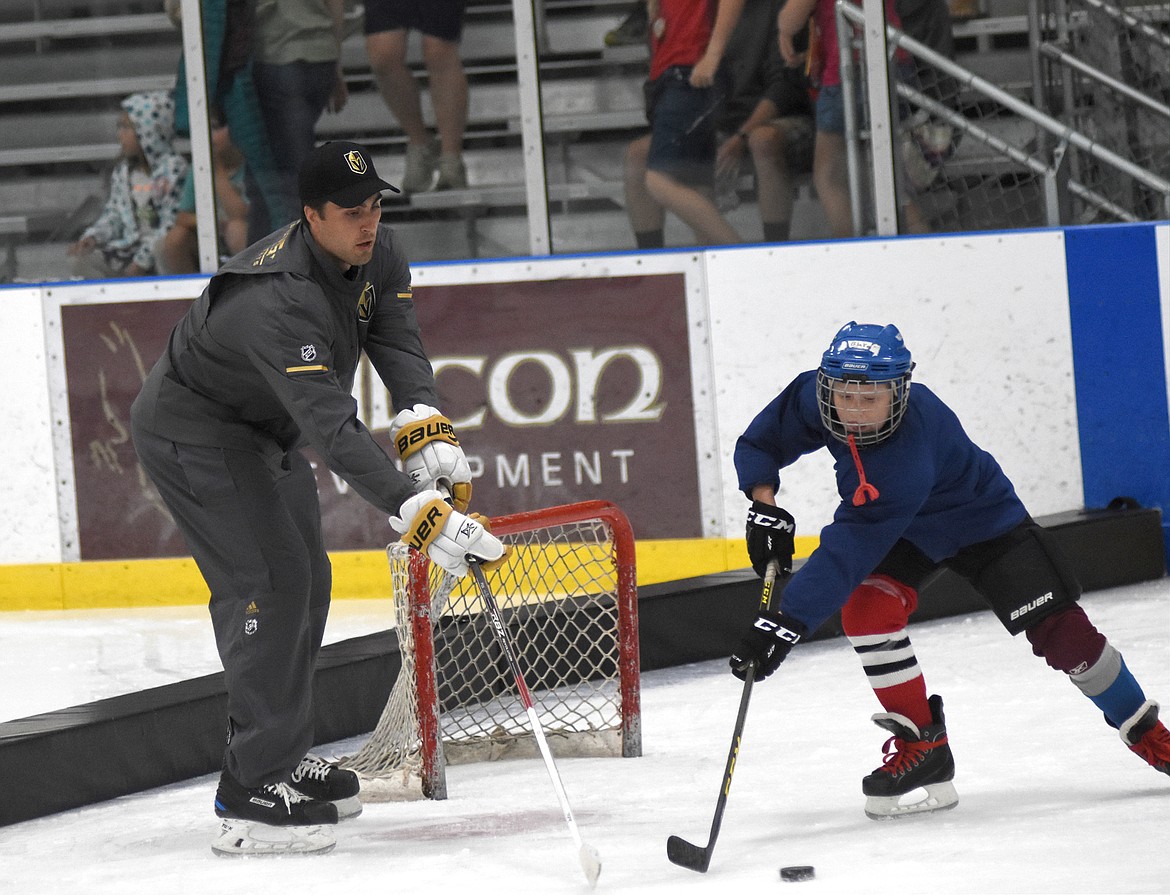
<point>639,371</point>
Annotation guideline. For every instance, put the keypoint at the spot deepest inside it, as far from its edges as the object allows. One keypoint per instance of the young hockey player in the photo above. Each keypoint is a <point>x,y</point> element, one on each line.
<point>916,494</point>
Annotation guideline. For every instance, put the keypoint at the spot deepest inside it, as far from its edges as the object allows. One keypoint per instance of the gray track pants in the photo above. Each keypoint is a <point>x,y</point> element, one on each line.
<point>253,524</point>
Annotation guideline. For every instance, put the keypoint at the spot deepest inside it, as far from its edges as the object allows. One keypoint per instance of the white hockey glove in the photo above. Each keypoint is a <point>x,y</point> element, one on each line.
<point>431,526</point>
<point>430,452</point>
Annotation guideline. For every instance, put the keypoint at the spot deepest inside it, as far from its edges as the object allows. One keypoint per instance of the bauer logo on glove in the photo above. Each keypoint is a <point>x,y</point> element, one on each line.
<point>447,537</point>
<point>434,428</point>
<point>427,524</point>
<point>430,452</point>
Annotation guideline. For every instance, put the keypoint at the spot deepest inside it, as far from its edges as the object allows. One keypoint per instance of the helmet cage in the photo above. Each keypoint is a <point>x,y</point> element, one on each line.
<point>860,357</point>
<point>860,384</point>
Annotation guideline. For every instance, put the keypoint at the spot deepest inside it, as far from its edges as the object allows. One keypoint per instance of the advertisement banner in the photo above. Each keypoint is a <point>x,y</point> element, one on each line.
<point>109,348</point>
<point>594,402</point>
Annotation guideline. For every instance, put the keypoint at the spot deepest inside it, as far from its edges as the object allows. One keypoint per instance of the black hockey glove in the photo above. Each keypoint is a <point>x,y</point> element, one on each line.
<point>770,533</point>
<point>767,644</point>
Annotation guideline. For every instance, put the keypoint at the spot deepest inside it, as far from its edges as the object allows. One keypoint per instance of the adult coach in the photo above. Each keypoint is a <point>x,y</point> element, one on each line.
<point>916,494</point>
<point>262,364</point>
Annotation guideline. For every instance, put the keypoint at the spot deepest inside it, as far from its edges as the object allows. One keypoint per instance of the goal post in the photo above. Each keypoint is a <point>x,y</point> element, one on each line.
<point>568,593</point>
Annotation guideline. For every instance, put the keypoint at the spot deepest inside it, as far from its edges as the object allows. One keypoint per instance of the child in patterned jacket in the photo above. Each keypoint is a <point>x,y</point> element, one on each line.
<point>145,188</point>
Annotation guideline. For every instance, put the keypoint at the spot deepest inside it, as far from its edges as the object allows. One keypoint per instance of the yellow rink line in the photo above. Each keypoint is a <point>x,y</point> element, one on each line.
<point>359,574</point>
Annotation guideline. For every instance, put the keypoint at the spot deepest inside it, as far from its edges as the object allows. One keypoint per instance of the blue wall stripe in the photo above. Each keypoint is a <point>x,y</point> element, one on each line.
<point>1118,363</point>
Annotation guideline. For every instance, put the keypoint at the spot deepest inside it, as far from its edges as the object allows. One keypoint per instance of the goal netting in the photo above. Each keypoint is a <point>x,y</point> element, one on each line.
<point>567,591</point>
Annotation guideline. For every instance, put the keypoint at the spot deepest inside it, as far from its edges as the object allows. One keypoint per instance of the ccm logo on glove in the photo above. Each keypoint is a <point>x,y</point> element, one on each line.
<point>767,643</point>
<point>772,626</point>
<point>771,519</point>
<point>770,536</point>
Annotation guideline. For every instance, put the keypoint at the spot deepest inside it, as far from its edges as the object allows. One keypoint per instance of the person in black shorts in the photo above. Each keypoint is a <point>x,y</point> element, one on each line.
<point>766,116</point>
<point>684,95</point>
<point>388,24</point>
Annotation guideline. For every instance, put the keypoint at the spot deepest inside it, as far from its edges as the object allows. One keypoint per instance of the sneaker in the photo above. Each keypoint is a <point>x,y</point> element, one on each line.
<point>315,778</point>
<point>452,173</point>
<point>914,759</point>
<point>1147,737</point>
<point>420,167</point>
<point>631,31</point>
<point>270,820</point>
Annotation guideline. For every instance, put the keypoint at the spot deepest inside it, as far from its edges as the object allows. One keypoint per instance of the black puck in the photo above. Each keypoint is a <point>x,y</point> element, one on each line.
<point>798,873</point>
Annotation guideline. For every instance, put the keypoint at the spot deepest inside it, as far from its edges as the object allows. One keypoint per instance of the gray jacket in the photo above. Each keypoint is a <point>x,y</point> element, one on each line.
<point>265,359</point>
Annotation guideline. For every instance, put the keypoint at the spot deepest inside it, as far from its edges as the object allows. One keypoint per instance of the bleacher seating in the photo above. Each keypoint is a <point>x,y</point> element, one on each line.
<point>64,67</point>
<point>62,75</point>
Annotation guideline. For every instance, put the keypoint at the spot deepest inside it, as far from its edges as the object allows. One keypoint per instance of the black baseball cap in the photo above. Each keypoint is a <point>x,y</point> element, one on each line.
<point>340,172</point>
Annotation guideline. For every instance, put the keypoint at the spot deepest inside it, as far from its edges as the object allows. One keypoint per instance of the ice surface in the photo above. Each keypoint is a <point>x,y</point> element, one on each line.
<point>1050,799</point>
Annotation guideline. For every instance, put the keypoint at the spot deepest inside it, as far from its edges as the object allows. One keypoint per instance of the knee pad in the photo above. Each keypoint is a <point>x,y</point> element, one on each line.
<point>879,605</point>
<point>1067,641</point>
<point>1030,581</point>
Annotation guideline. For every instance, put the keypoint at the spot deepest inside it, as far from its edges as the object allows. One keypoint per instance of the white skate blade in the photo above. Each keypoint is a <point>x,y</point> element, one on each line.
<point>347,808</point>
<point>246,838</point>
<point>936,797</point>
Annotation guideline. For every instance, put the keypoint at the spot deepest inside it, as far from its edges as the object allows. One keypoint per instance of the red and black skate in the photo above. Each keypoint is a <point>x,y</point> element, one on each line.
<point>915,760</point>
<point>1148,737</point>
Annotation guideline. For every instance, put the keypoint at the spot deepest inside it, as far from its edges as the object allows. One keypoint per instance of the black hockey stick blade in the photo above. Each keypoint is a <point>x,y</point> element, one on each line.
<point>678,850</point>
<point>683,853</point>
<point>688,855</point>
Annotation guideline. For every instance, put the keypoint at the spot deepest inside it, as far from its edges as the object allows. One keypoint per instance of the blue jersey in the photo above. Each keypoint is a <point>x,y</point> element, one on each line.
<point>936,488</point>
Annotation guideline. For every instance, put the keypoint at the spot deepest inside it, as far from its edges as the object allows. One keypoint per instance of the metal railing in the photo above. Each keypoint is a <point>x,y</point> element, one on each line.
<point>972,155</point>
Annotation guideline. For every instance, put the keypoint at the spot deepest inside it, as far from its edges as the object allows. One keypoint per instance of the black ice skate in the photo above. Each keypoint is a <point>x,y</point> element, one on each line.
<point>270,820</point>
<point>316,778</point>
<point>915,760</point>
<point>1148,737</point>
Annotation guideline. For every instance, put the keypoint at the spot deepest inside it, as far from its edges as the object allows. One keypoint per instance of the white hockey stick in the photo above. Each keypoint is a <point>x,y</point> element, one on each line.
<point>587,854</point>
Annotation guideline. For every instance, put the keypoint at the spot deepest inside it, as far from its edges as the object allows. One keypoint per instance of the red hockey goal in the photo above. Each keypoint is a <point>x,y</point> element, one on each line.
<point>567,590</point>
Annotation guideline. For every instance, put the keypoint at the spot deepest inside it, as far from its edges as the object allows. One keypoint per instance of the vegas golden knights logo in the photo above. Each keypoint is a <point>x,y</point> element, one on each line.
<point>270,252</point>
<point>356,163</point>
<point>366,304</point>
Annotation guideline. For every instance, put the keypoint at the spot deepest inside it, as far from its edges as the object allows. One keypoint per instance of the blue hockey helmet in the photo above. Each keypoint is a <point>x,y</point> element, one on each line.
<point>864,358</point>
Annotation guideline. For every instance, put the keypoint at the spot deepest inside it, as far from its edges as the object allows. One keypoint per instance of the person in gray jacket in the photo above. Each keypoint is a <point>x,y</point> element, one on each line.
<point>262,364</point>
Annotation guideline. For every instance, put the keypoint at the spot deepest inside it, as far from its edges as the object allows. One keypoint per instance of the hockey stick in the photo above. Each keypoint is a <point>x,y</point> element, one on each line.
<point>587,854</point>
<point>687,854</point>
